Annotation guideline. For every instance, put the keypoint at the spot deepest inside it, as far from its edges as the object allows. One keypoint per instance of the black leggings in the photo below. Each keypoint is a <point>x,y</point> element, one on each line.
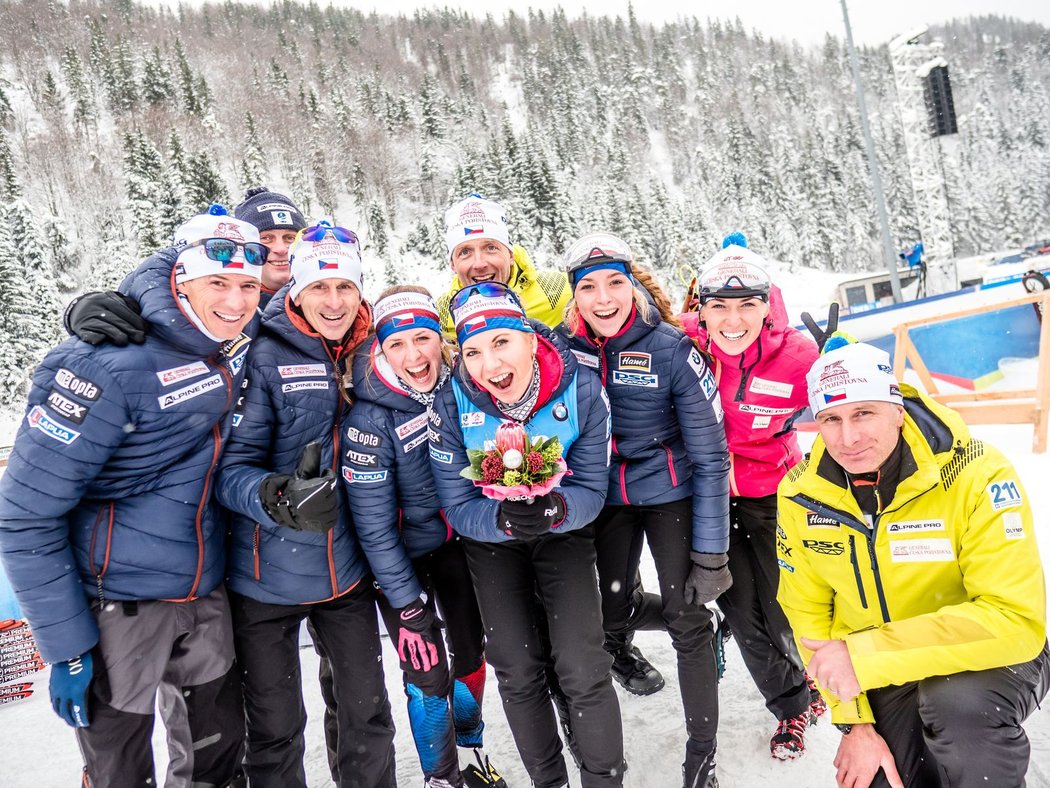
<point>668,527</point>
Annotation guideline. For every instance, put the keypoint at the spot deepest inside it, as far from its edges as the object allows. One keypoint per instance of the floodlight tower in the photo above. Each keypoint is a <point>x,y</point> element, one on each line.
<point>927,112</point>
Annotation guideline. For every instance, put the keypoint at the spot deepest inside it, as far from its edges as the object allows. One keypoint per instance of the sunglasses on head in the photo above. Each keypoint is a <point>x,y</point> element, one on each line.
<point>595,249</point>
<point>320,230</point>
<point>222,250</point>
<point>485,290</point>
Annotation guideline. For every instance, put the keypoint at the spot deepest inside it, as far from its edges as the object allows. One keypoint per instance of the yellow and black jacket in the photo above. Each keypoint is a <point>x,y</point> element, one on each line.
<point>948,578</point>
<point>543,294</point>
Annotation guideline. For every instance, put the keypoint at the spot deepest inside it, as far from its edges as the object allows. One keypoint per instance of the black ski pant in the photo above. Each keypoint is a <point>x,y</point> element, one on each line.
<point>962,730</point>
<point>267,641</point>
<point>188,645</point>
<point>444,709</point>
<point>559,568</point>
<point>758,622</point>
<point>668,529</point>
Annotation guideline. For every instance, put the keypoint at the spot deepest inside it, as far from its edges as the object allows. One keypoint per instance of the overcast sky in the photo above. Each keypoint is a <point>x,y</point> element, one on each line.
<point>874,21</point>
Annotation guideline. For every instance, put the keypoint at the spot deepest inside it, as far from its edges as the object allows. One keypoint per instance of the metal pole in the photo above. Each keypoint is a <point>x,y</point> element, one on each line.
<point>873,164</point>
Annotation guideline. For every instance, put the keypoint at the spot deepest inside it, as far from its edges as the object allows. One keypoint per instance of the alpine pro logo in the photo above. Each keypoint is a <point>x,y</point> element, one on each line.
<point>190,392</point>
<point>822,547</point>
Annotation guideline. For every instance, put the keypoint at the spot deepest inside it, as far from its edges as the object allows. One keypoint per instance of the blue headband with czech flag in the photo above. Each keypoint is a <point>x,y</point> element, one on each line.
<point>487,306</point>
<point>404,312</point>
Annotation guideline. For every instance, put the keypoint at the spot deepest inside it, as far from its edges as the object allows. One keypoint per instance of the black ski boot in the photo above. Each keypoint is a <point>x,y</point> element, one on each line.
<point>481,773</point>
<point>632,670</point>
<point>698,771</point>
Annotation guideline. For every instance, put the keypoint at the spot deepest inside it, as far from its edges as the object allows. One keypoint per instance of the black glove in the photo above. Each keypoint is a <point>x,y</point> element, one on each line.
<point>306,501</point>
<point>419,632</point>
<point>97,318</point>
<point>821,336</point>
<point>709,578</point>
<point>527,520</point>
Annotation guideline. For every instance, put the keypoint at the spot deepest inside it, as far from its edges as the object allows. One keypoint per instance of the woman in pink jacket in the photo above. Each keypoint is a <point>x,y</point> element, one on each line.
<point>760,365</point>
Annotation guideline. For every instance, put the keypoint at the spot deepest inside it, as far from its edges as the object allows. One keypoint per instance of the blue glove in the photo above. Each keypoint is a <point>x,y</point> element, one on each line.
<point>69,690</point>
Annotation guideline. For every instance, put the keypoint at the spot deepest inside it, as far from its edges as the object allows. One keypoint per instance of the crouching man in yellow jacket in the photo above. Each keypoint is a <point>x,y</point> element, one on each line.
<point>910,574</point>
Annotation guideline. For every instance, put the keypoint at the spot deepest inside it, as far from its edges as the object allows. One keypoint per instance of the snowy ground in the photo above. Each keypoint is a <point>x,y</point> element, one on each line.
<point>47,755</point>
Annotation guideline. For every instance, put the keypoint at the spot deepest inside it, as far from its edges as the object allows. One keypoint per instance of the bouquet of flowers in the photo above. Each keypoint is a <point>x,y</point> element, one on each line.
<point>518,468</point>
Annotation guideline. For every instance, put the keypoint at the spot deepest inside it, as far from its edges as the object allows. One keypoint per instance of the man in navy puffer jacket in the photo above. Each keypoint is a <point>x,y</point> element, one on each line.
<point>107,529</point>
<point>285,567</point>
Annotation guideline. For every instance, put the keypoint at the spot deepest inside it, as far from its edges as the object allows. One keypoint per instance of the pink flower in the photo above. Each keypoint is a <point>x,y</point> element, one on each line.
<point>510,435</point>
<point>492,469</point>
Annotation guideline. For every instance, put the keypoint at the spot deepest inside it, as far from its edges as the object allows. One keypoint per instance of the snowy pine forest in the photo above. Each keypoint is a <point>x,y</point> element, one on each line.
<point>118,121</point>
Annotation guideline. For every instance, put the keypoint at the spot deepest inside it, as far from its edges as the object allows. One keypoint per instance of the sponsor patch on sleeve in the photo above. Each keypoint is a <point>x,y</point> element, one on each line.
<point>760,422</point>
<point>785,565</point>
<point>66,407</point>
<point>1004,494</point>
<point>441,455</point>
<point>363,477</point>
<point>79,387</point>
<point>363,438</point>
<point>39,420</point>
<point>362,458</point>
<point>1013,525</point>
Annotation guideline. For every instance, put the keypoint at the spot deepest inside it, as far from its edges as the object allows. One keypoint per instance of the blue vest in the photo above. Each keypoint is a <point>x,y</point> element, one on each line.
<point>479,428</point>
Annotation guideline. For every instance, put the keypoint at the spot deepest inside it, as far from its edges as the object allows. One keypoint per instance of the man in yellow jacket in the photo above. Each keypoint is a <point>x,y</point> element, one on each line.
<point>480,250</point>
<point>910,574</point>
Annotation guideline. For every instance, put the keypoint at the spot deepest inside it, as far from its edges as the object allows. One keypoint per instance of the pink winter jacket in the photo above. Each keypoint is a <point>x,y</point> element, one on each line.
<point>760,390</point>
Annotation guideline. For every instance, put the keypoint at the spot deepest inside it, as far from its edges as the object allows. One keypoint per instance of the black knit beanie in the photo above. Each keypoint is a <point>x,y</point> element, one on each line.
<point>269,210</point>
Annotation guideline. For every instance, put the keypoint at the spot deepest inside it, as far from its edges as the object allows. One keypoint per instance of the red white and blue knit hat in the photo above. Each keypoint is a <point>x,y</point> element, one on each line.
<point>475,217</point>
<point>328,258</point>
<point>404,312</point>
<point>854,372</point>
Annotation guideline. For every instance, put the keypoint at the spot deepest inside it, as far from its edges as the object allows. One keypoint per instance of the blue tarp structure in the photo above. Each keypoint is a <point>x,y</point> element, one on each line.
<point>8,604</point>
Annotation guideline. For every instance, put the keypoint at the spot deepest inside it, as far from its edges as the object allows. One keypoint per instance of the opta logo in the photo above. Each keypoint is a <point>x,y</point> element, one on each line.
<point>81,387</point>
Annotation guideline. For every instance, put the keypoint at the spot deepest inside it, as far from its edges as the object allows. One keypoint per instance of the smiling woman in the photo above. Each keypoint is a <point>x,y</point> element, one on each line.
<point>516,371</point>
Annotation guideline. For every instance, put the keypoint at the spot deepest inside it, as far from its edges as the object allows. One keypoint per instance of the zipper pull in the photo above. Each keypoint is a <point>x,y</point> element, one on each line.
<point>101,594</point>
